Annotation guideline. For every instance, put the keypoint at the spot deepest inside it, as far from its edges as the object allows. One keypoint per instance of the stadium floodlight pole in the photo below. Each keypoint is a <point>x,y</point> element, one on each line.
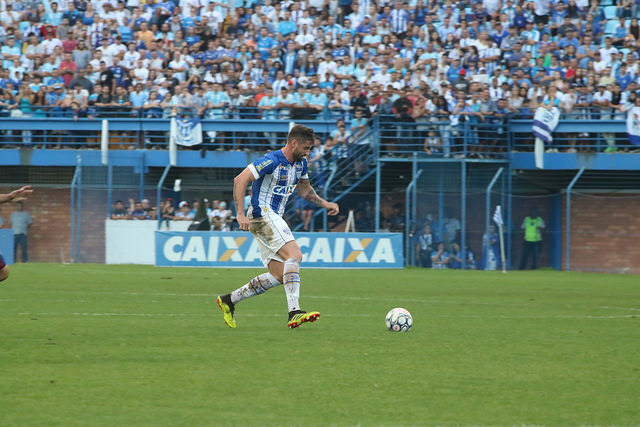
<point>410,187</point>
<point>568,231</point>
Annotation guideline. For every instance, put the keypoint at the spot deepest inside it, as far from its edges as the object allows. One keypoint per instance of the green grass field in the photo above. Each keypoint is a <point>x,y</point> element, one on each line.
<point>86,345</point>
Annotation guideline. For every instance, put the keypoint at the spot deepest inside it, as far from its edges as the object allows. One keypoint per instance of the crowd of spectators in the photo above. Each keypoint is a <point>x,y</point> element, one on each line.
<point>475,61</point>
<point>462,59</point>
<point>213,215</point>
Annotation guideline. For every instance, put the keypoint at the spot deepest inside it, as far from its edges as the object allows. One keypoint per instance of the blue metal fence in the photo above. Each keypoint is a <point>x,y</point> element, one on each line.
<point>435,137</point>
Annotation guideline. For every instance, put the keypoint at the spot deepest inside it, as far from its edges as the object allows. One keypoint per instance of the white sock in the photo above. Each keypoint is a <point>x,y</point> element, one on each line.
<point>256,286</point>
<point>291,279</point>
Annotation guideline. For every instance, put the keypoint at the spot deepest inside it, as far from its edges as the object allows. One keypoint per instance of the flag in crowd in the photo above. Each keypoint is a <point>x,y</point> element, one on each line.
<point>186,132</point>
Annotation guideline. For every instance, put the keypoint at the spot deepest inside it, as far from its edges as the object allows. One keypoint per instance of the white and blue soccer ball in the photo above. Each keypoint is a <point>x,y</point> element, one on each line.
<point>398,320</point>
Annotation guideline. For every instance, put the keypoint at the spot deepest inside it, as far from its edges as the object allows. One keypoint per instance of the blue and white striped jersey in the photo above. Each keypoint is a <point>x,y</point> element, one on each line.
<point>276,179</point>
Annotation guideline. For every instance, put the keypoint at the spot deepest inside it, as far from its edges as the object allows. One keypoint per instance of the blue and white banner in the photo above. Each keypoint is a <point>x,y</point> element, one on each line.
<point>544,122</point>
<point>240,249</point>
<point>497,216</point>
<point>186,132</point>
<point>633,125</point>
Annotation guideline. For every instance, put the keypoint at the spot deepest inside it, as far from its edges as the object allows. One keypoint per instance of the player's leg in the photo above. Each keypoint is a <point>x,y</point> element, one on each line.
<point>269,239</point>
<point>256,286</point>
<point>535,252</point>
<point>292,257</point>
<point>4,269</point>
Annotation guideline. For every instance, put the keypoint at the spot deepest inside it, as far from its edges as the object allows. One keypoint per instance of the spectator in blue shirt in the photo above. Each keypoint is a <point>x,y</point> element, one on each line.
<point>440,257</point>
<point>286,26</point>
<point>138,97</point>
<point>265,43</point>
<point>620,34</point>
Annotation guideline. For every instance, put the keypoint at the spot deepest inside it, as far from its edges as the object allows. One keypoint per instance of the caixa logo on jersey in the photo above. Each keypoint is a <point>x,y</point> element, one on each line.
<point>237,249</point>
<point>283,190</point>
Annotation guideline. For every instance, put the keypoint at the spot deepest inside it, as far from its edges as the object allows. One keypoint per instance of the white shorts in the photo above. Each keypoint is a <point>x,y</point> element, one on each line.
<point>271,233</point>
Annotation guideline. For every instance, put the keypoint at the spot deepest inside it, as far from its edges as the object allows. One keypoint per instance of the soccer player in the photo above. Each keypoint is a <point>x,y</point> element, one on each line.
<point>274,177</point>
<point>15,196</point>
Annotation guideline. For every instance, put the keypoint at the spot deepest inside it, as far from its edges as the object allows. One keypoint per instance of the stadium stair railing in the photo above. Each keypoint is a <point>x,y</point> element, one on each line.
<point>340,171</point>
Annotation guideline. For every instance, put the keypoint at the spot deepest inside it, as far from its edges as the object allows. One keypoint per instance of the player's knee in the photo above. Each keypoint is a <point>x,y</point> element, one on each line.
<point>290,251</point>
<point>4,273</point>
<point>293,263</point>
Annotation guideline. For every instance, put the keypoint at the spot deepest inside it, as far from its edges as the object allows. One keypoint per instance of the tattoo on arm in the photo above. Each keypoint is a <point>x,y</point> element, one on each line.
<point>313,197</point>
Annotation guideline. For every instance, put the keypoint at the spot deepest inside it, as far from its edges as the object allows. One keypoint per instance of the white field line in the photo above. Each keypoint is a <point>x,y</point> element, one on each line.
<point>627,316</point>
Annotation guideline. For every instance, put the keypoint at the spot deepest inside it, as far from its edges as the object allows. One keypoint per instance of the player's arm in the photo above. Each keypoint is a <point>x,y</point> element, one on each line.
<point>17,195</point>
<point>240,183</point>
<point>306,191</point>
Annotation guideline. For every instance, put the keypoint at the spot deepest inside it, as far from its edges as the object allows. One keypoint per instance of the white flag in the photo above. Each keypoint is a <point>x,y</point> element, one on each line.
<point>186,132</point>
<point>544,123</point>
<point>497,217</point>
<point>633,125</point>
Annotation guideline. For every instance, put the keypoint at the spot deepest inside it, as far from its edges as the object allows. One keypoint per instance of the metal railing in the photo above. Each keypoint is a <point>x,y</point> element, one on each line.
<point>341,169</point>
<point>134,133</point>
<point>440,138</point>
<point>431,137</point>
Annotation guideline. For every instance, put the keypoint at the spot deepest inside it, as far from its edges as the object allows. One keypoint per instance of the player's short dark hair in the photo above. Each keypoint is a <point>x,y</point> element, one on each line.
<point>301,133</point>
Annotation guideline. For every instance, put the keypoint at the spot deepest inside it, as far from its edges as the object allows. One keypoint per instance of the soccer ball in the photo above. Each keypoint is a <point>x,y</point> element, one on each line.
<point>398,320</point>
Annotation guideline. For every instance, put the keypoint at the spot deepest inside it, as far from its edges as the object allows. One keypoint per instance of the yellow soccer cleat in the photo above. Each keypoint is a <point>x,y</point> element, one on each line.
<point>298,317</point>
<point>227,307</point>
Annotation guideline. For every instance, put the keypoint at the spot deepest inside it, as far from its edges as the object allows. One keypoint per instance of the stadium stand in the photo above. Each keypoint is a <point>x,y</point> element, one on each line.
<point>471,62</point>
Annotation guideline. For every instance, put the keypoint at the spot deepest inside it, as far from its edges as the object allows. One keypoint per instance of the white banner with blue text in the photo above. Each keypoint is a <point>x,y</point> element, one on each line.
<point>240,249</point>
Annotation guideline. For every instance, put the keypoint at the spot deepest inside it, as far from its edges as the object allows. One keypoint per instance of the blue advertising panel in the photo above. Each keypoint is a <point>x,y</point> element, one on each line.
<point>240,249</point>
<point>6,244</point>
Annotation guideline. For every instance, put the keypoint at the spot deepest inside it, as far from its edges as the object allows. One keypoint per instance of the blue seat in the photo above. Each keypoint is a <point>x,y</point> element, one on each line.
<point>606,3</point>
<point>624,51</point>
<point>610,12</point>
<point>610,27</point>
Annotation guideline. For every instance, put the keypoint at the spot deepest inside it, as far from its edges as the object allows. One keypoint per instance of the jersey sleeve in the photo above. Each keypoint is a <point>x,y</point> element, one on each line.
<point>305,169</point>
<point>261,167</point>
